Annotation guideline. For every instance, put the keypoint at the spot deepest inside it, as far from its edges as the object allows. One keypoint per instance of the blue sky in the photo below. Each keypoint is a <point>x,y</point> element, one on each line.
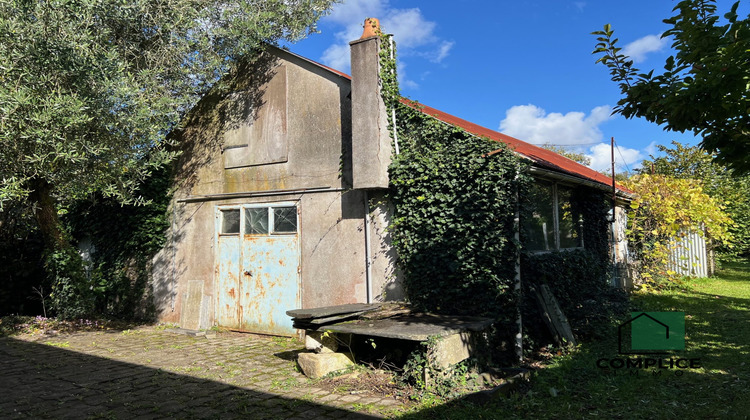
<point>524,68</point>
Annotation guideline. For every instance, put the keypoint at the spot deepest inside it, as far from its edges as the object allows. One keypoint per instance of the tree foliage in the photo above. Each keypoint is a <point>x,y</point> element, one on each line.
<point>570,154</point>
<point>720,182</point>
<point>663,209</point>
<point>89,90</point>
<point>705,86</point>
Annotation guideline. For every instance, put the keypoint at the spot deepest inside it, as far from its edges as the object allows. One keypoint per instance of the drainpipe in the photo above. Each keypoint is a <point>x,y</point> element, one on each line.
<point>517,288</point>
<point>368,265</point>
<point>393,110</point>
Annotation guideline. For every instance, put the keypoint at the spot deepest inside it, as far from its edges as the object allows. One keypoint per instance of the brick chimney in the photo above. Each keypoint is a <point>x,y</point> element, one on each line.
<point>371,141</point>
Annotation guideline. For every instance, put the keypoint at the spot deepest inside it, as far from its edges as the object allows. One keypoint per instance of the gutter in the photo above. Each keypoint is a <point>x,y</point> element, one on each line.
<point>549,174</point>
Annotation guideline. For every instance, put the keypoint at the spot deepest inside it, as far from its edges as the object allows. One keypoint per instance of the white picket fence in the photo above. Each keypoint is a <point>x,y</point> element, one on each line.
<point>689,256</point>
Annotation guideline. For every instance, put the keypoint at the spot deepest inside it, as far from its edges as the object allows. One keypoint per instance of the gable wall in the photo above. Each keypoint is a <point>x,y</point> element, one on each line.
<point>301,120</point>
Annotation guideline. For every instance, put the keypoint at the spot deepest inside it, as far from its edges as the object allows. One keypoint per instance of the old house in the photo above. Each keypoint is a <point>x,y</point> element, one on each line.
<point>277,196</point>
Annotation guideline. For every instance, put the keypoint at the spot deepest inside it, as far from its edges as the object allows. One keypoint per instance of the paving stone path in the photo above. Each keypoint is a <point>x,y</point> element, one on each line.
<point>147,373</point>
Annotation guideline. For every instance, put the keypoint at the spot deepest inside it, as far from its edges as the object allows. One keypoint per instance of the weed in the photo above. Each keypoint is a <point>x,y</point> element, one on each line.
<point>64,344</point>
<point>285,384</point>
<point>368,408</point>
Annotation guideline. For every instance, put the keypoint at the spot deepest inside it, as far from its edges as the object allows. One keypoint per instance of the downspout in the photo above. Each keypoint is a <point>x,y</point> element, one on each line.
<point>517,288</point>
<point>368,263</point>
<point>393,109</point>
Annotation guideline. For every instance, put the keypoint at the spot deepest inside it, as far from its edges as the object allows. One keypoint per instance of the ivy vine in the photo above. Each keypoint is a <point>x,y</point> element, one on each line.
<point>454,209</point>
<point>453,223</point>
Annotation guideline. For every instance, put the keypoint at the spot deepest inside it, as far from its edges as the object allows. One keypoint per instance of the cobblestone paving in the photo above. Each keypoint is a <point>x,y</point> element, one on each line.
<point>148,373</point>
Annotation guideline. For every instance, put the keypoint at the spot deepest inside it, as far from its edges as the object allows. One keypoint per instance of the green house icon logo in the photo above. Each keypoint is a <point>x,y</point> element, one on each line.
<point>653,332</point>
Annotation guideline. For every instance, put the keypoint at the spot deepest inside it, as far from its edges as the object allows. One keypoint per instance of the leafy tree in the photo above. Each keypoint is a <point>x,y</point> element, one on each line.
<point>664,207</point>
<point>574,156</point>
<point>89,89</point>
<point>729,190</point>
<point>704,86</point>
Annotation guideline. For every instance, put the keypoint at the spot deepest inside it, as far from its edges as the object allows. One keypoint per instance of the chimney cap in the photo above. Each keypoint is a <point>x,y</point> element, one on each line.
<point>372,28</point>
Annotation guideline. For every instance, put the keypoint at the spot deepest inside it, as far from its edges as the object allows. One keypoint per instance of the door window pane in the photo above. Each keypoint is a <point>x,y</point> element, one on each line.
<point>256,221</point>
<point>284,219</point>
<point>230,221</point>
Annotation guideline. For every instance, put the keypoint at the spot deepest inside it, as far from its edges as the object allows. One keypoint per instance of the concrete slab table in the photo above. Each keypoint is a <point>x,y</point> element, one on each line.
<point>456,333</point>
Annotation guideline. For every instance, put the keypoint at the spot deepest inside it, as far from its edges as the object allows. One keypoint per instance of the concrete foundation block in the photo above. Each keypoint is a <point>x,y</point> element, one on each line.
<point>317,365</point>
<point>320,342</point>
<point>452,349</point>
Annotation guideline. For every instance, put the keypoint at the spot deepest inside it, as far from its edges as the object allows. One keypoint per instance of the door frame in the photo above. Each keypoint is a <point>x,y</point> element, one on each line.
<point>218,219</point>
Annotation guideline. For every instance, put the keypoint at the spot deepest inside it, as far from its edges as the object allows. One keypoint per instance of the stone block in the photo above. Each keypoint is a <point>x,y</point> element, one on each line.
<point>191,305</point>
<point>452,349</point>
<point>320,342</point>
<point>317,365</point>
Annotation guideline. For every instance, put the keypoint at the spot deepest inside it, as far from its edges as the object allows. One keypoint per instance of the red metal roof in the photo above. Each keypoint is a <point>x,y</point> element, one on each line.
<point>540,156</point>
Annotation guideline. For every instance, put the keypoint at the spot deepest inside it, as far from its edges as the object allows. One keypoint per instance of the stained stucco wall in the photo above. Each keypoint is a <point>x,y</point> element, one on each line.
<point>292,132</point>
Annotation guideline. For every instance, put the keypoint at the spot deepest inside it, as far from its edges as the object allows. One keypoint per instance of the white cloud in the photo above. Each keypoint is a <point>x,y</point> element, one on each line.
<point>625,158</point>
<point>404,81</point>
<point>355,11</point>
<point>580,5</point>
<point>412,32</point>
<point>638,49</point>
<point>532,124</point>
<point>442,52</point>
<point>336,56</point>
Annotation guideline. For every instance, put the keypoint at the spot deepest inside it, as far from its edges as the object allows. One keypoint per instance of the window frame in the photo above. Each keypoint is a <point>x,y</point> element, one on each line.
<point>220,211</point>
<point>556,220</point>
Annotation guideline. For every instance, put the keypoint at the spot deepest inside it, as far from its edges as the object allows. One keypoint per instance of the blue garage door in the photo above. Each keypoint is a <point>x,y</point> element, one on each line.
<point>258,267</point>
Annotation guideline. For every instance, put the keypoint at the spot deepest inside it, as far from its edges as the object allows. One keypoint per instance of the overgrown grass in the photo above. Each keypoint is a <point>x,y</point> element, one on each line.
<point>572,386</point>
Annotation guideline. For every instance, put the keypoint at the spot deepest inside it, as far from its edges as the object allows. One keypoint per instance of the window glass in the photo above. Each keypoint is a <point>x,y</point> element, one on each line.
<point>230,221</point>
<point>284,219</point>
<point>256,220</point>
<point>570,226</point>
<point>540,228</point>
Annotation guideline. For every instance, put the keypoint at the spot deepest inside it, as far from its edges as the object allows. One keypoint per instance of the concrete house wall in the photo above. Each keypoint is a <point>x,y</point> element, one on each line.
<point>283,134</point>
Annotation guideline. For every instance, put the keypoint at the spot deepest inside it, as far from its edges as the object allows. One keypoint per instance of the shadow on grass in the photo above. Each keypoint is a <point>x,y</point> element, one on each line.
<point>42,381</point>
<point>575,386</point>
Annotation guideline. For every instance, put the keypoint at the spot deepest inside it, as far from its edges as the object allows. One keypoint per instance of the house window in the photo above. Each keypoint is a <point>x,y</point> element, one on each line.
<point>554,223</point>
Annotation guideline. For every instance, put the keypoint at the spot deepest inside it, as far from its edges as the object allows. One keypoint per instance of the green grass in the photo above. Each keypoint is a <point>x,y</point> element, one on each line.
<point>717,332</point>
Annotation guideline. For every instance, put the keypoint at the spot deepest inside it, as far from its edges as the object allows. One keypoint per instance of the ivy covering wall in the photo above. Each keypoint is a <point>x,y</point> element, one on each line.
<point>453,227</point>
<point>125,238</point>
<point>453,224</point>
<point>579,278</point>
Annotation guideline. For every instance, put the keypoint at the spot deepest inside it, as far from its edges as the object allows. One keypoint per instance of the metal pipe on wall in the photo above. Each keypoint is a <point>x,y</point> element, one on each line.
<point>368,265</point>
<point>393,110</point>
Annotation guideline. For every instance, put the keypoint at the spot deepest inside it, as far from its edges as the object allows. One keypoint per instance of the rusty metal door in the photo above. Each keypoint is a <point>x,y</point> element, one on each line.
<point>258,267</point>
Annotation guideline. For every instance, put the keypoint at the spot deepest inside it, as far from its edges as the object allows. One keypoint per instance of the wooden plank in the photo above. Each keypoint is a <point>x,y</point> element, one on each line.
<point>559,320</point>
<point>544,312</point>
<point>328,311</point>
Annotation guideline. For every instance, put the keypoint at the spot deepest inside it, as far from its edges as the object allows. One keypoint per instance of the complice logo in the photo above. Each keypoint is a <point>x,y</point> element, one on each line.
<point>652,333</point>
